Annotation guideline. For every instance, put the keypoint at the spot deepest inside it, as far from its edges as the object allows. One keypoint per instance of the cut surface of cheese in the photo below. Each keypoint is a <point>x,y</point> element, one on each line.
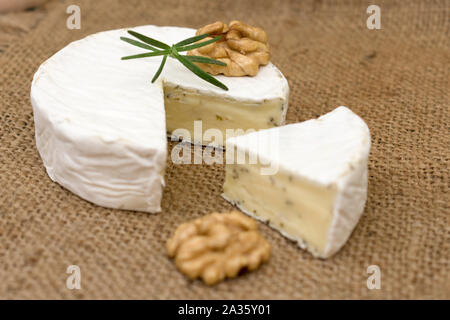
<point>318,191</point>
<point>100,123</point>
<point>185,108</point>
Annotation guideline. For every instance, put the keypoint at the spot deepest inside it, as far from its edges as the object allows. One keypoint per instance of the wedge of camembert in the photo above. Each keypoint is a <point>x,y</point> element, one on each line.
<point>309,180</point>
<point>100,123</point>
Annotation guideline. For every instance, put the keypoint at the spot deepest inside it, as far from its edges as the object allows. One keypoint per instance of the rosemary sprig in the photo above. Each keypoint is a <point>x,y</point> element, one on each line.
<point>198,45</point>
<point>191,40</point>
<point>159,48</point>
<point>138,44</point>
<point>161,66</point>
<point>204,60</point>
<point>148,40</point>
<point>149,54</point>
<point>199,72</point>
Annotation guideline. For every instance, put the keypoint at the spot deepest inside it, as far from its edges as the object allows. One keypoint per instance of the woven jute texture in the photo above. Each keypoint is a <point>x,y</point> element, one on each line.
<point>396,78</point>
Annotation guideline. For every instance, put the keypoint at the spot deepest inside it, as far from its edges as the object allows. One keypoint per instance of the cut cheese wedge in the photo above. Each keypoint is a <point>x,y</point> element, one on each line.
<point>101,125</point>
<point>316,188</point>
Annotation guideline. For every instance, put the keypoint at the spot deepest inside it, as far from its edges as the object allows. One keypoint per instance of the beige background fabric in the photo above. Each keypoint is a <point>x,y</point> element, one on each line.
<point>397,79</point>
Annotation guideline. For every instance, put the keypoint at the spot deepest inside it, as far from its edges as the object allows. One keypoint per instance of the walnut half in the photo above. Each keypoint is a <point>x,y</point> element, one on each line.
<point>242,47</point>
<point>218,245</point>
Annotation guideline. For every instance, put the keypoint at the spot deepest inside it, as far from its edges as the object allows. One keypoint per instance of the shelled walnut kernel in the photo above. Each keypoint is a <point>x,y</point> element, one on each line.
<point>242,47</point>
<point>217,246</point>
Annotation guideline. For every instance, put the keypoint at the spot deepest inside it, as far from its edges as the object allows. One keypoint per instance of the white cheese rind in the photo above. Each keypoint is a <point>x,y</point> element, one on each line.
<point>349,204</point>
<point>108,173</point>
<point>109,156</point>
<point>100,122</point>
<point>330,152</point>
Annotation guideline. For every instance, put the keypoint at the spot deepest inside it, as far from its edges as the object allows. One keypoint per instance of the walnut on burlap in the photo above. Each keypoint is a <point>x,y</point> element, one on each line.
<point>397,79</point>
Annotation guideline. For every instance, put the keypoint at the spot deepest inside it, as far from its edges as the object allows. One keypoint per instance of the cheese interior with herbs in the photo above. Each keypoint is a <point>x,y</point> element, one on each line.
<point>185,107</point>
<point>319,190</point>
<point>100,123</point>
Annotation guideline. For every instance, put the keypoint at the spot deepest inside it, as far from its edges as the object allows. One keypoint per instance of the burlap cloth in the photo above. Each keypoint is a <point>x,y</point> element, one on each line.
<point>397,79</point>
